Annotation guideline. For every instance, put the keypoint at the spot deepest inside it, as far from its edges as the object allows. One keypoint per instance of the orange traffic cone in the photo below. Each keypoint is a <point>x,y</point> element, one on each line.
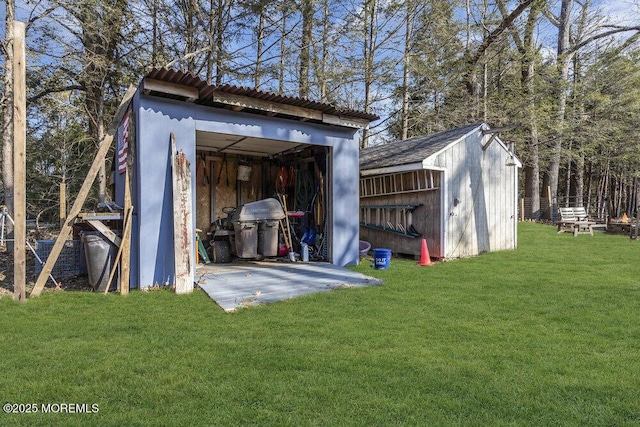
<point>425,259</point>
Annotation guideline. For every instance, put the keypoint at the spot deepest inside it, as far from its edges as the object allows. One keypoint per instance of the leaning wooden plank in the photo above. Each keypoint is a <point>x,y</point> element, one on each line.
<point>106,232</point>
<point>183,231</point>
<point>82,194</point>
<point>125,262</point>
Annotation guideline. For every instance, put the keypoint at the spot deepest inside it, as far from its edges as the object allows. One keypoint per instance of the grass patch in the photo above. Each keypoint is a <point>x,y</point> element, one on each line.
<point>545,334</point>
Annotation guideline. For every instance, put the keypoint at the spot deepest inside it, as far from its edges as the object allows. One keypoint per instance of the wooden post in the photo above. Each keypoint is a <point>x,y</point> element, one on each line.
<point>19,162</point>
<point>522,209</point>
<point>125,232</point>
<point>63,202</point>
<point>183,231</point>
<point>105,144</point>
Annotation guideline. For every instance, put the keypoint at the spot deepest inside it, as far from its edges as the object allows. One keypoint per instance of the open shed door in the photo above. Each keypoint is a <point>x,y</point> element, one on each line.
<point>232,171</point>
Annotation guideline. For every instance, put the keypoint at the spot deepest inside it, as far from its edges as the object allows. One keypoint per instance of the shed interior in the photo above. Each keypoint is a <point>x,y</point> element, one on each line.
<point>233,171</point>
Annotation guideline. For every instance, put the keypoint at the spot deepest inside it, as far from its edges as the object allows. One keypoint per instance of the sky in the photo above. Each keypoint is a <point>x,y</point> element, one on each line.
<point>613,12</point>
<point>619,12</point>
<point>622,12</point>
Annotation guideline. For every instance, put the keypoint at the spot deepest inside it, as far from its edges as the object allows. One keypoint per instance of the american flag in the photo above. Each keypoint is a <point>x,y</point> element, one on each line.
<point>123,143</point>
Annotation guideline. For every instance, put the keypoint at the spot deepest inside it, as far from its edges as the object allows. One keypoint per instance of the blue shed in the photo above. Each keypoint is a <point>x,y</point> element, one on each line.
<point>243,145</point>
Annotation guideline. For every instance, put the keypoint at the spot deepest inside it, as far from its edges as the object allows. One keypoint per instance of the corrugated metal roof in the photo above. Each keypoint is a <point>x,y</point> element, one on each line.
<point>206,91</point>
<point>413,150</point>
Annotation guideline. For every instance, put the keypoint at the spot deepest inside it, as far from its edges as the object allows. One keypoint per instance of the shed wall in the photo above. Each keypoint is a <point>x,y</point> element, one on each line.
<point>426,220</point>
<point>485,215</point>
<point>154,194</point>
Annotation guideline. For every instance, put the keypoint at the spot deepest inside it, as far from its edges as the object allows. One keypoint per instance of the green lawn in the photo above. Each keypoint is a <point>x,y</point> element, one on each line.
<point>548,334</point>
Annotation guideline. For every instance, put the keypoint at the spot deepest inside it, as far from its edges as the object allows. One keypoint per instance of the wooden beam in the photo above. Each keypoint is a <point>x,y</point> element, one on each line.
<point>183,231</point>
<point>267,106</point>
<point>189,92</point>
<point>344,122</point>
<point>103,149</point>
<point>106,231</point>
<point>100,216</point>
<point>497,130</point>
<point>19,162</point>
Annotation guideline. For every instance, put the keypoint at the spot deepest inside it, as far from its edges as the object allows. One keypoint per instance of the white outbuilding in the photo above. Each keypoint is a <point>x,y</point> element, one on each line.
<point>457,189</point>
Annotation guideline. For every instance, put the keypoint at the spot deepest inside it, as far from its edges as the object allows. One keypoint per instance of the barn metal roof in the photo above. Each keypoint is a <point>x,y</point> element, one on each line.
<point>214,95</point>
<point>413,150</point>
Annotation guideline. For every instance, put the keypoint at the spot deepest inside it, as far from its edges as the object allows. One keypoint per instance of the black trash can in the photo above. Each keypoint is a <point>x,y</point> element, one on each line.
<point>100,255</point>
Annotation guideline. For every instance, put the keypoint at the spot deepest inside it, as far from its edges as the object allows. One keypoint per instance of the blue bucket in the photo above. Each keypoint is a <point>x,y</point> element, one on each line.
<point>381,258</point>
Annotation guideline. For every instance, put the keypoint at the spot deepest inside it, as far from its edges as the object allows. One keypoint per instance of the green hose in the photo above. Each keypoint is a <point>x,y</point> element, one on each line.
<point>305,190</point>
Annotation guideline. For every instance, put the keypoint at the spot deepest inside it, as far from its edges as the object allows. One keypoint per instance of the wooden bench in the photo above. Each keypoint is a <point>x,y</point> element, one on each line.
<point>575,220</point>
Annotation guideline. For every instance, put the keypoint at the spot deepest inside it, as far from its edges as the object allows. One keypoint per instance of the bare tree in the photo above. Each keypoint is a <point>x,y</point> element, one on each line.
<point>568,46</point>
<point>369,53</point>
<point>321,59</point>
<point>526,46</point>
<point>408,33</point>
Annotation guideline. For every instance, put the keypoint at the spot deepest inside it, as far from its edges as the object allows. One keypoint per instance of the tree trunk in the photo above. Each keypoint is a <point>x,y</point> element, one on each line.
<point>211,52</point>
<point>527,73</point>
<point>7,112</point>
<point>405,71</point>
<point>305,48</point>
<point>190,35</point>
<point>102,173</point>
<point>154,40</point>
<point>368,60</point>
<point>532,167</point>
<point>321,72</point>
<point>580,179</point>
<point>588,187</point>
<point>283,50</point>
<point>221,13</point>
<point>603,187</point>
<point>567,185</point>
<point>564,60</point>
<point>259,47</point>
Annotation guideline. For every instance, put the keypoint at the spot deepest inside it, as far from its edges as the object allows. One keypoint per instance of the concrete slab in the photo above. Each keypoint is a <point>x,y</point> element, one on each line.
<point>250,283</point>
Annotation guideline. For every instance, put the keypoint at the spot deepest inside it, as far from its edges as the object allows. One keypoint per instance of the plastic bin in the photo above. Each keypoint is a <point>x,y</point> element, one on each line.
<point>220,251</point>
<point>246,234</point>
<point>268,238</point>
<point>100,255</point>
